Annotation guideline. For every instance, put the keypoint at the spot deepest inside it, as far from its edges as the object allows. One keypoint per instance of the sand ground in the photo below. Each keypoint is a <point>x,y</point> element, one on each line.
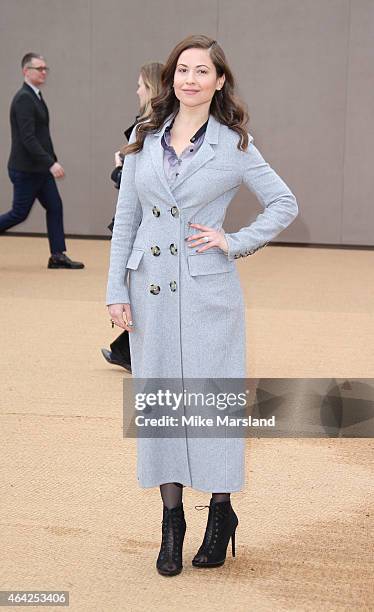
<point>72,515</point>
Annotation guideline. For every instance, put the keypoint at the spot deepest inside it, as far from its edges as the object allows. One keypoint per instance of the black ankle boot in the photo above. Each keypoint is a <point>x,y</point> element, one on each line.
<point>169,561</point>
<point>221,526</point>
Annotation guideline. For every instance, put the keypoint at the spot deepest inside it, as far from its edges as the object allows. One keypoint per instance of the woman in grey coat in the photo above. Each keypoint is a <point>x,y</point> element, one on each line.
<point>173,282</point>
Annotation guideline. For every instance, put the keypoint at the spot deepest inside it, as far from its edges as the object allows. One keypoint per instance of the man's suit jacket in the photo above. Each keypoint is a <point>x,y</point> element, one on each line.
<point>32,148</point>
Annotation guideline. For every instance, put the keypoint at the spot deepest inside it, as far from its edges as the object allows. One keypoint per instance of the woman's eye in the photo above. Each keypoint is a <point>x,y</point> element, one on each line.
<point>202,71</point>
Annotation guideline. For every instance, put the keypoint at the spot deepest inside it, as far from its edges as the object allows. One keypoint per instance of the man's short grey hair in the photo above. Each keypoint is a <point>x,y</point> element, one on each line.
<point>27,59</point>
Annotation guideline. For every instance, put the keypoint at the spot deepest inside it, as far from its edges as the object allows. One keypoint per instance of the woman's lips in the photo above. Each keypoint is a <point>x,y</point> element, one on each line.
<point>190,91</point>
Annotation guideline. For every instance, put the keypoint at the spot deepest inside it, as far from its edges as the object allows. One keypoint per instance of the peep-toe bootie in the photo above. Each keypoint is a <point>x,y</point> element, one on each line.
<point>221,526</point>
<point>169,561</point>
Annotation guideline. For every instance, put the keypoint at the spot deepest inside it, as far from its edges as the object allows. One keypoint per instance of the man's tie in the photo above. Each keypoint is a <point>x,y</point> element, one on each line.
<point>42,100</point>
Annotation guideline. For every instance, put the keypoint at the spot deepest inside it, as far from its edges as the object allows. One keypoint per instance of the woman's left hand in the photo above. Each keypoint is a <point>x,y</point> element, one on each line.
<point>117,159</point>
<point>216,238</point>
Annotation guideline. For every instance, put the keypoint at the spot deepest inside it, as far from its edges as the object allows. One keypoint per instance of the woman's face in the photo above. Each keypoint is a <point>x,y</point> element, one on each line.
<point>195,78</point>
<point>142,92</point>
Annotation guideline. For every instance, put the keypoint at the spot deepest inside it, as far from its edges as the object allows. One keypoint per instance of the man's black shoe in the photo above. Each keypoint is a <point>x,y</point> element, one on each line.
<point>63,261</point>
<point>114,360</point>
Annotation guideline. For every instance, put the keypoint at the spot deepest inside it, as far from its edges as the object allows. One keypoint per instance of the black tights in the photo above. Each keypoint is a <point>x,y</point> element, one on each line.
<point>171,493</point>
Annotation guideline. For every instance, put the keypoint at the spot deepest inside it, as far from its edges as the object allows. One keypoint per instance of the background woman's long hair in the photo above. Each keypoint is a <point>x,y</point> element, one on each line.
<point>226,107</point>
<point>151,75</point>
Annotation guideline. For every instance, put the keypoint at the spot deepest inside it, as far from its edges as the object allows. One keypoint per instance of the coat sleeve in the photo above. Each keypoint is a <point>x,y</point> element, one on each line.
<point>126,222</point>
<point>25,117</point>
<point>279,204</point>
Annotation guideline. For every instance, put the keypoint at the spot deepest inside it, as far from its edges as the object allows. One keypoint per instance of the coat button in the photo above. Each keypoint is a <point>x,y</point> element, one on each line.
<point>155,289</point>
<point>173,249</point>
<point>156,250</point>
<point>156,211</point>
<point>173,285</point>
<point>174,211</point>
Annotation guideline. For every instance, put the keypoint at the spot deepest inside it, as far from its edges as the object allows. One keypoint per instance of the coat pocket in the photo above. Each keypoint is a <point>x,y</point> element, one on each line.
<point>215,262</point>
<point>134,259</point>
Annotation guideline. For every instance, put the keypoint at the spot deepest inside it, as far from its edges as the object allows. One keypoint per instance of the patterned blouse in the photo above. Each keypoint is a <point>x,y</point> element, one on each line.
<point>174,165</point>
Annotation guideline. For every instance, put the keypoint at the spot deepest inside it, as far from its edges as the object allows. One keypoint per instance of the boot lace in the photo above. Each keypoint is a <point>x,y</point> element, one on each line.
<point>215,519</point>
<point>170,542</point>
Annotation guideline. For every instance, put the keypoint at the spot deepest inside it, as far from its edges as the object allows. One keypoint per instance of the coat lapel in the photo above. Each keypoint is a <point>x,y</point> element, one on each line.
<point>157,154</point>
<point>41,105</point>
<point>204,154</point>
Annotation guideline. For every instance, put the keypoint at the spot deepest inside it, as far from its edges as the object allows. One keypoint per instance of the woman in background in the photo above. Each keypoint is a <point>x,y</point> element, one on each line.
<point>149,86</point>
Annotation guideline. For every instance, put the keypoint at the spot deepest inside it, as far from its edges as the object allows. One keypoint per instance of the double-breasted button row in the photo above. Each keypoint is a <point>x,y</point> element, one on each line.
<point>173,211</point>
<point>155,250</point>
<point>155,289</point>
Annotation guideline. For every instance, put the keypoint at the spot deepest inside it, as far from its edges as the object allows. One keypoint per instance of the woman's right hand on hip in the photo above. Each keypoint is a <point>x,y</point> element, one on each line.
<point>121,315</point>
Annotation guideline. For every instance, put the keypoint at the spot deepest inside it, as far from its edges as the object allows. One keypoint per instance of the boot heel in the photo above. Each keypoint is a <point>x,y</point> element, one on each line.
<point>233,543</point>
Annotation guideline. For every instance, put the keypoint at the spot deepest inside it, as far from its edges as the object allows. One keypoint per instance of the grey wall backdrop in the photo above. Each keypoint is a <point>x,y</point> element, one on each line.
<point>304,67</point>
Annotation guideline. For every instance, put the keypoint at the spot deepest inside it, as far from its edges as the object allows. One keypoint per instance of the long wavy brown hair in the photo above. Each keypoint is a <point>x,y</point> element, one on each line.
<point>225,106</point>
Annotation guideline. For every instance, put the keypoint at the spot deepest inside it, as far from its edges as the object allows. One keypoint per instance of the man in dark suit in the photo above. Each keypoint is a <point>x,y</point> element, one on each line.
<point>33,165</point>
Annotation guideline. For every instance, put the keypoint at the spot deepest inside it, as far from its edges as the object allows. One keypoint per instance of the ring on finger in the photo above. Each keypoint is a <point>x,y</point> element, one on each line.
<point>206,239</point>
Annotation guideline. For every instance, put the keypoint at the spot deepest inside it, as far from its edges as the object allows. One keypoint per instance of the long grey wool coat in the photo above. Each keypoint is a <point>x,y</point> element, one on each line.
<point>187,307</point>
